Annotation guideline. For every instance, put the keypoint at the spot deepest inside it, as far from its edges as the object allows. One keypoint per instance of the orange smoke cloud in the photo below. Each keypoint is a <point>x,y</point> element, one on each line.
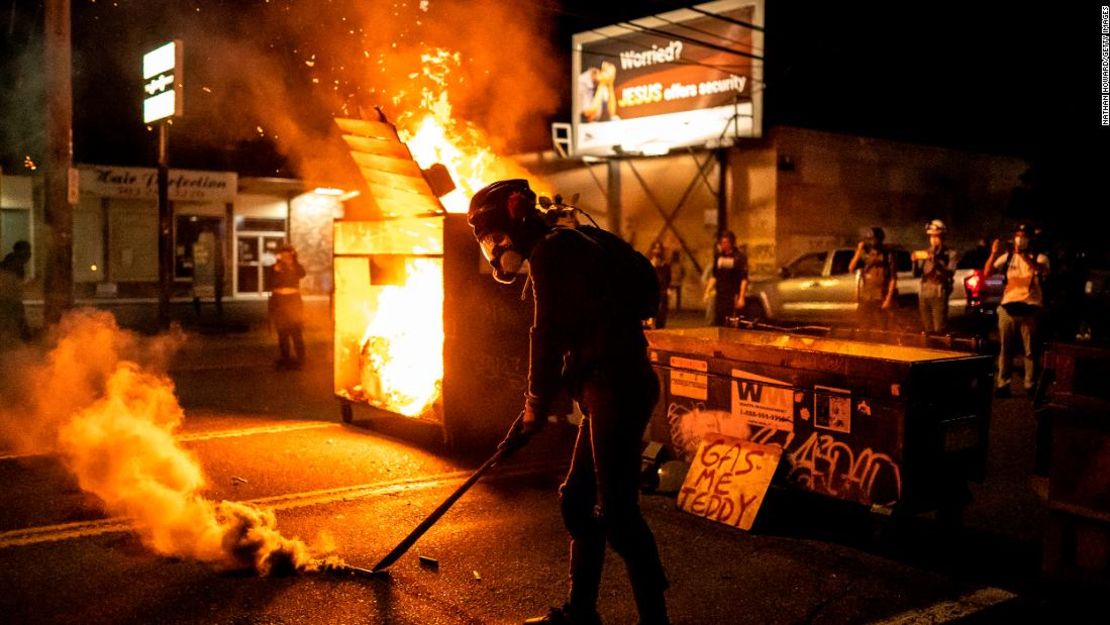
<point>111,422</point>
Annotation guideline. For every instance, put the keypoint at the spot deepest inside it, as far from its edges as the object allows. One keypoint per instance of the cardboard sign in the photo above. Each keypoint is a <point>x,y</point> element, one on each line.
<point>728,480</point>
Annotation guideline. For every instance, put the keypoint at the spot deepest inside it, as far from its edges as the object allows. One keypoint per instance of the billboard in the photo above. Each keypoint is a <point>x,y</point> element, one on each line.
<point>689,77</point>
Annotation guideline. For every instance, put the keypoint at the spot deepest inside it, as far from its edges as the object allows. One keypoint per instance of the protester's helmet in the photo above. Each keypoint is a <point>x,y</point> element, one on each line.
<point>936,226</point>
<point>498,213</point>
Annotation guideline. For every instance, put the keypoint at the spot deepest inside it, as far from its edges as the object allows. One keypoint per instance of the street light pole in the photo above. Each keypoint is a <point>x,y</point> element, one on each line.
<point>165,228</point>
<point>58,276</point>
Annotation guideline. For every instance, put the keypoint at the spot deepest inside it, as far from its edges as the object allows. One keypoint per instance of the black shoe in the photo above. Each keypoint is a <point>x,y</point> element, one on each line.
<point>563,616</point>
<point>1002,391</point>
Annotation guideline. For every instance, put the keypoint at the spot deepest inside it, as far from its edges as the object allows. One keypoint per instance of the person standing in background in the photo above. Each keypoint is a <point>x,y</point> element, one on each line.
<point>937,270</point>
<point>13,318</point>
<point>662,264</point>
<point>729,278</point>
<point>878,279</point>
<point>1022,307</point>
<point>286,307</point>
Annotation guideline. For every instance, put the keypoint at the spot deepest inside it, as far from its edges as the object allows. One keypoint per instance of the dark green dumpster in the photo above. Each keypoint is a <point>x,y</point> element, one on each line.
<point>1074,448</point>
<point>889,426</point>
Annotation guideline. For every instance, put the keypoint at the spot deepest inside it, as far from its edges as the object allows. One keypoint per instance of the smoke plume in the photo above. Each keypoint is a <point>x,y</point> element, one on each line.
<point>98,400</point>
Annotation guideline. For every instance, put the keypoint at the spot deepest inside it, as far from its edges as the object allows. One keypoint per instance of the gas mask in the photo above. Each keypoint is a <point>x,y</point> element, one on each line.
<point>503,258</point>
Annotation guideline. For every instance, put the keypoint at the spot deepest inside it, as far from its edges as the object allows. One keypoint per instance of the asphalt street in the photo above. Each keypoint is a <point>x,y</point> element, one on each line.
<point>274,438</point>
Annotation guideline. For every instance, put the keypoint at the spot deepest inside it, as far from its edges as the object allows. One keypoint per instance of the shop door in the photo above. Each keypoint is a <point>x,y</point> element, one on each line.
<point>255,253</point>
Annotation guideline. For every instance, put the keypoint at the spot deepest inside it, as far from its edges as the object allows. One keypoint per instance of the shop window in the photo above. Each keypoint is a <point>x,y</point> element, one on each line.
<point>188,233</point>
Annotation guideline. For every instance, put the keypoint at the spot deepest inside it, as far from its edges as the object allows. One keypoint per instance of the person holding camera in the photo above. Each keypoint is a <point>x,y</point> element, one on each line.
<point>286,307</point>
<point>878,279</point>
<point>1022,308</point>
<point>938,265</point>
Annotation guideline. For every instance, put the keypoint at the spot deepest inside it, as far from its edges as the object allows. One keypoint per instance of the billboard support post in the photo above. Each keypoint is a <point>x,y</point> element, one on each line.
<point>722,189</point>
<point>613,195</point>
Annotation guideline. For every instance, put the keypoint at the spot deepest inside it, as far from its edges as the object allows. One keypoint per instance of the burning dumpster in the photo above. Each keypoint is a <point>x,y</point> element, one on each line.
<point>881,425</point>
<point>421,339</point>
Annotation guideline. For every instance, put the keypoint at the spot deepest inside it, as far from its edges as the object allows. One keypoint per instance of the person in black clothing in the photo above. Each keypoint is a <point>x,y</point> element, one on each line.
<point>586,338</point>
<point>657,254</point>
<point>286,307</point>
<point>730,278</point>
<point>13,318</point>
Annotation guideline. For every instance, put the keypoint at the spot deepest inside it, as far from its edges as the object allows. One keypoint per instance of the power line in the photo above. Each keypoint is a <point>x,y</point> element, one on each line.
<point>705,44</point>
<point>711,66</point>
<point>727,19</point>
<point>711,34</point>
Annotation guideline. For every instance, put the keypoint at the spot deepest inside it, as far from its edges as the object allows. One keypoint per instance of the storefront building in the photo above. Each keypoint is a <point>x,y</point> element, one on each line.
<point>226,231</point>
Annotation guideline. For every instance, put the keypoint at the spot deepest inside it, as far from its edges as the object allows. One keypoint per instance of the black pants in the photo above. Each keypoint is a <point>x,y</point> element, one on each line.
<point>287,313</point>
<point>600,498</point>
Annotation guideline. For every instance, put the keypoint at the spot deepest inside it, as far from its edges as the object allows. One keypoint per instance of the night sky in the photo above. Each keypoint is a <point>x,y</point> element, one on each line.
<point>999,77</point>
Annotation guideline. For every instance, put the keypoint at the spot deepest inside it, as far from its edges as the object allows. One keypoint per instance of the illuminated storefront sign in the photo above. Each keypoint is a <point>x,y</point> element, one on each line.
<point>163,82</point>
<point>142,183</point>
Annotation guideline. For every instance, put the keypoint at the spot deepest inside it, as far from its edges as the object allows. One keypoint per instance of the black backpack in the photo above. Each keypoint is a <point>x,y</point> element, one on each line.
<point>634,280</point>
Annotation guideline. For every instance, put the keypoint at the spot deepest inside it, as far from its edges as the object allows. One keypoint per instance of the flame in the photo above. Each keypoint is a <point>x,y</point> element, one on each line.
<point>434,135</point>
<point>402,348</point>
<point>401,351</point>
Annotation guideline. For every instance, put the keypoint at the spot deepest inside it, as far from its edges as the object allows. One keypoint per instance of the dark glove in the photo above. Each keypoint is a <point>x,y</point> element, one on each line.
<point>521,431</point>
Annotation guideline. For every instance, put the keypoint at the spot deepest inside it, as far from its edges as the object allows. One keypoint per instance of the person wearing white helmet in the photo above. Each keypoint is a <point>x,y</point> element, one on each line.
<point>937,269</point>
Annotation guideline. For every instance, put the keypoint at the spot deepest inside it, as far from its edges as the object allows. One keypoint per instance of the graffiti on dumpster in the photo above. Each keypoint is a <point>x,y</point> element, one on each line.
<point>819,462</point>
<point>690,425</point>
<point>826,465</point>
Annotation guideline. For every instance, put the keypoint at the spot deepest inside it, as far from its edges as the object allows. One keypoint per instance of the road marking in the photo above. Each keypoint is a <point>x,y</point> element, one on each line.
<point>262,429</point>
<point>289,501</point>
<point>204,436</point>
<point>948,611</point>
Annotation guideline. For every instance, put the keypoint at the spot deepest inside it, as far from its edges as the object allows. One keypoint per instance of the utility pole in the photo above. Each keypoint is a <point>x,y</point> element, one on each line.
<point>58,277</point>
<point>162,99</point>
<point>165,227</point>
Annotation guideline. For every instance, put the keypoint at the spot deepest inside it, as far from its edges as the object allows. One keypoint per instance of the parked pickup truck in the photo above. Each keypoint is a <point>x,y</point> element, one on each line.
<point>817,287</point>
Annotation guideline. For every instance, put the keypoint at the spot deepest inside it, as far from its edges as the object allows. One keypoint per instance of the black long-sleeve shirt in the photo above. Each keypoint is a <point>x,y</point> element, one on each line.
<point>581,330</point>
<point>286,276</point>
